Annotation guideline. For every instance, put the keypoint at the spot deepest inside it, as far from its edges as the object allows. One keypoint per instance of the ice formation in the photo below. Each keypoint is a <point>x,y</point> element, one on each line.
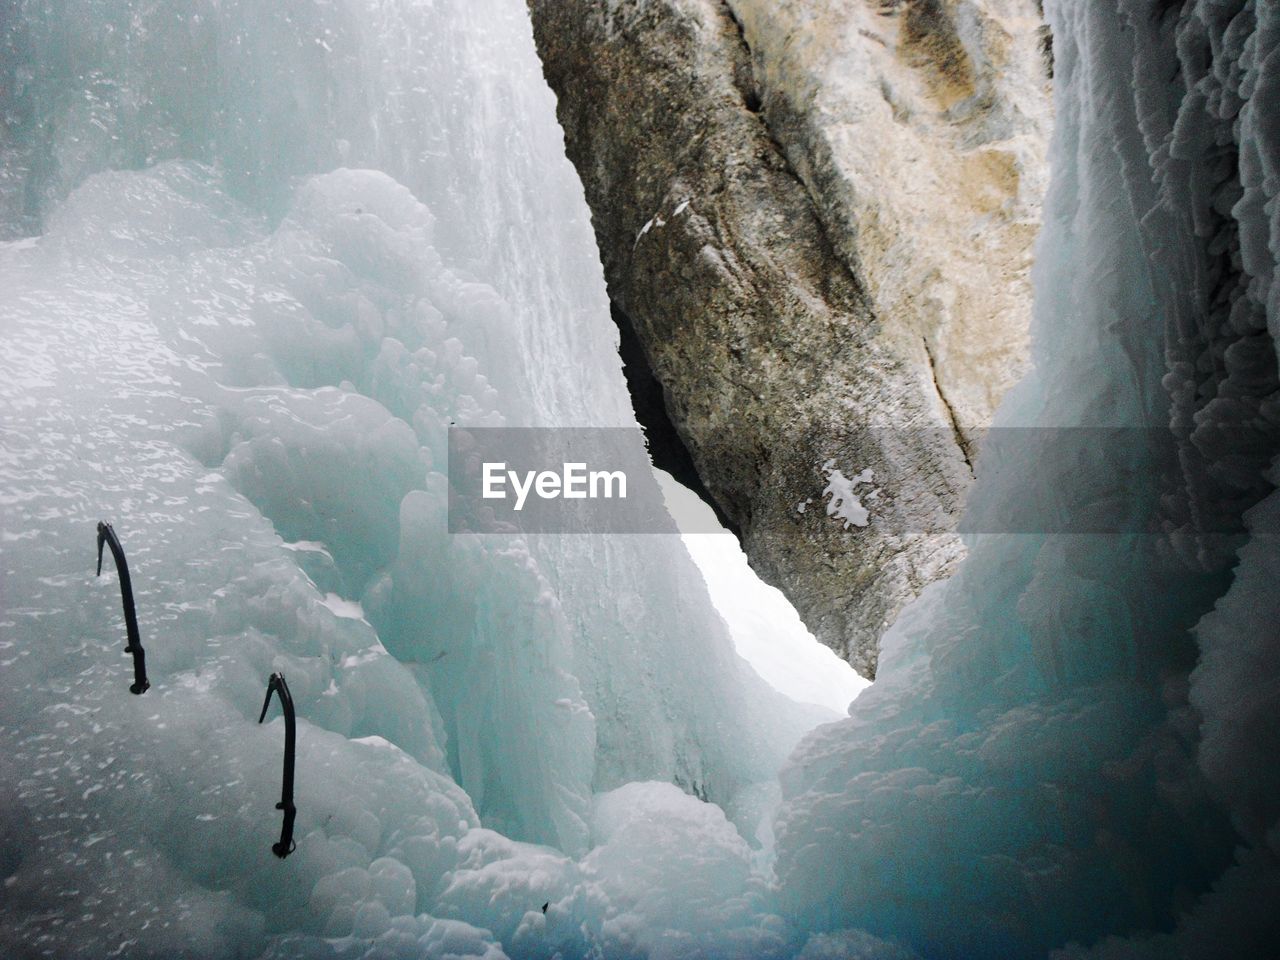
<point>845,505</point>
<point>1066,742</point>
<point>275,249</point>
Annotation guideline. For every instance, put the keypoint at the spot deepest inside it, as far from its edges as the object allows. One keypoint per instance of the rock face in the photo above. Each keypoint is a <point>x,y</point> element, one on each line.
<point>816,217</point>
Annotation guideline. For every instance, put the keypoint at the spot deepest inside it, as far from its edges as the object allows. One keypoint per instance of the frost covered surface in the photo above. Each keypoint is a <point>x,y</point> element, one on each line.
<point>261,287</point>
<point>845,503</point>
<point>276,251</point>
<point>1066,742</point>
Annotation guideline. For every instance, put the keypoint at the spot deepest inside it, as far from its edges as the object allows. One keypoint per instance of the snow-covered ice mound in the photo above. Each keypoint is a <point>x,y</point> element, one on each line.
<point>276,249</point>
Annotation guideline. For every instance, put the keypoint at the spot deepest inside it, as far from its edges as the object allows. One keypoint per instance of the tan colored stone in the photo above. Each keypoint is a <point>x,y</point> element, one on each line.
<point>817,217</point>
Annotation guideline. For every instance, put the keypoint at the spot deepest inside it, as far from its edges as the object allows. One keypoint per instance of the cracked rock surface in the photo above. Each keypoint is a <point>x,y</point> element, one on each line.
<point>817,217</point>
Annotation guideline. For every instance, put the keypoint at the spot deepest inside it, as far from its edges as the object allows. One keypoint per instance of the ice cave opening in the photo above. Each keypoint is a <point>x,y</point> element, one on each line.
<point>256,259</point>
<point>765,628</point>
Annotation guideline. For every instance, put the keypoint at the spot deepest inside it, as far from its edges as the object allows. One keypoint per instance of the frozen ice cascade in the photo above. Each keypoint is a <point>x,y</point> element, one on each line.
<point>258,257</point>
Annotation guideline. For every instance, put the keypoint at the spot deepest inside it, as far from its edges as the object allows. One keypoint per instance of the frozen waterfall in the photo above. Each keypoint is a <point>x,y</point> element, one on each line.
<point>258,256</point>
<point>276,250</point>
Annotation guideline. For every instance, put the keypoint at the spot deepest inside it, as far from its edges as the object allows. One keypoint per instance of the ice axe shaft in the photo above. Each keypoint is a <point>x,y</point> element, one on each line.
<point>277,685</point>
<point>107,536</point>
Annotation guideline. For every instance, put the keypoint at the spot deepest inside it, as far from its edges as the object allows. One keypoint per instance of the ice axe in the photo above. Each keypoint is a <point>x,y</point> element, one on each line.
<point>276,684</point>
<point>108,536</point>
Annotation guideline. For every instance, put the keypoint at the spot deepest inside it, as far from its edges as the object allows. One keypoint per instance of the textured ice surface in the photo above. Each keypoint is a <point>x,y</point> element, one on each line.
<point>277,248</point>
<point>350,226</point>
<point>1037,763</point>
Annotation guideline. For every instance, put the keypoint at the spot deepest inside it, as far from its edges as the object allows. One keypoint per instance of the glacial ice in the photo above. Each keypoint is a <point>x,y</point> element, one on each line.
<point>1038,764</point>
<point>245,349</point>
<point>275,249</point>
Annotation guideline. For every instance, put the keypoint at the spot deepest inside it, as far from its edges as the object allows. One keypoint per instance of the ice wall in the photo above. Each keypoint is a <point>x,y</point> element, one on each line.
<point>264,253</point>
<point>263,256</point>
<point>1066,740</point>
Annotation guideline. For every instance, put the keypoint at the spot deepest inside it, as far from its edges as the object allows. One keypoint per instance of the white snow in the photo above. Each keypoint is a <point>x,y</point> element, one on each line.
<point>249,368</point>
<point>1031,720</point>
<point>343,608</point>
<point>844,503</point>
<point>253,382</point>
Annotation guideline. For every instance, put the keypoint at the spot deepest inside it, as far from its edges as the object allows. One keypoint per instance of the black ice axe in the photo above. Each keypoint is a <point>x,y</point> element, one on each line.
<point>108,536</point>
<point>276,684</point>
